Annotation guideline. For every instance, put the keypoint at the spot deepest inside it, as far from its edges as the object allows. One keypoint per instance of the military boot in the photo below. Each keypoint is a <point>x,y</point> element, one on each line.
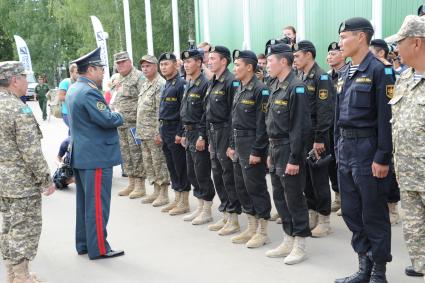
<point>394,216</point>
<point>182,206</point>
<point>247,234</point>
<point>323,227</point>
<point>283,249</point>
<point>260,238</point>
<point>220,223</point>
<point>339,212</point>
<point>279,220</point>
<point>362,275</point>
<point>172,204</point>
<point>22,274</point>
<point>336,204</point>
<point>274,216</point>
<point>139,188</point>
<point>232,225</point>
<point>127,190</point>
<point>162,199</point>
<point>10,275</point>
<point>313,217</point>
<point>197,211</point>
<point>298,253</point>
<point>150,198</point>
<point>378,273</point>
<point>205,216</point>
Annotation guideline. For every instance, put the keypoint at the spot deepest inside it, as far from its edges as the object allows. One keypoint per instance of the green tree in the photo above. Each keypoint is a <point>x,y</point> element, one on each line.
<point>6,46</point>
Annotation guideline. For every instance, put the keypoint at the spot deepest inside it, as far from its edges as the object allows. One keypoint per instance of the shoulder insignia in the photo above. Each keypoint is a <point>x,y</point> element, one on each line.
<point>100,106</point>
<point>236,84</point>
<point>388,71</point>
<point>300,89</point>
<point>323,94</point>
<point>92,85</point>
<point>26,110</point>
<point>324,77</point>
<point>389,91</point>
<point>265,92</point>
<point>174,82</point>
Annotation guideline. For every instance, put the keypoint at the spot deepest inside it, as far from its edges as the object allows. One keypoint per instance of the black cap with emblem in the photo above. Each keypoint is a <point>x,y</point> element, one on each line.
<point>192,53</point>
<point>246,55</point>
<point>220,50</point>
<point>90,59</point>
<point>354,24</point>
<point>167,56</point>
<point>333,46</point>
<point>278,49</point>
<point>305,45</point>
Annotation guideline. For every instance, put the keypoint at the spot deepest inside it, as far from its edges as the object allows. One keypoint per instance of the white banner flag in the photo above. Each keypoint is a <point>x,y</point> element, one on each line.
<point>23,52</point>
<point>101,37</point>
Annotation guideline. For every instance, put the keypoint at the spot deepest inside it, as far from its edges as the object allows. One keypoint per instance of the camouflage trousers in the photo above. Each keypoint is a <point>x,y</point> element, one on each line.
<point>413,211</point>
<point>131,154</point>
<point>21,228</point>
<point>154,163</point>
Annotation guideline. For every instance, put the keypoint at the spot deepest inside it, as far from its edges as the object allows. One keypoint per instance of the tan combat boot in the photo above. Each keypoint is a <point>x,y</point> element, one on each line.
<point>10,275</point>
<point>247,234</point>
<point>220,223</point>
<point>172,204</point>
<point>394,216</point>
<point>274,216</point>
<point>284,248</point>
<point>197,211</point>
<point>323,227</point>
<point>298,253</point>
<point>162,199</point>
<point>22,274</point>
<point>336,204</point>
<point>139,188</point>
<point>232,225</point>
<point>182,206</point>
<point>150,198</point>
<point>127,190</point>
<point>313,218</point>
<point>205,216</point>
<point>260,238</point>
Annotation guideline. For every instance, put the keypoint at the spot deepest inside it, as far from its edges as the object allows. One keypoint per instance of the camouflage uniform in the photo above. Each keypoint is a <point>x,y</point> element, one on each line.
<point>408,126</point>
<point>24,174</point>
<point>148,128</point>
<point>125,91</point>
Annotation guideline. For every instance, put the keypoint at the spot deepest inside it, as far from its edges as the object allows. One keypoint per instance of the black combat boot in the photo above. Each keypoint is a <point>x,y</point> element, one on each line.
<point>361,276</point>
<point>378,273</point>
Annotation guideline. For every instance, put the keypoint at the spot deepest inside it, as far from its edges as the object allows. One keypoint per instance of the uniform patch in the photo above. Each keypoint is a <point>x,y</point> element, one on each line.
<point>365,80</point>
<point>388,71</point>
<point>311,88</point>
<point>281,102</point>
<point>323,94</point>
<point>171,99</point>
<point>324,77</point>
<point>26,110</point>
<point>194,95</point>
<point>100,106</point>
<point>248,101</point>
<point>390,91</point>
<point>236,84</point>
<point>218,92</point>
<point>265,92</point>
<point>299,89</point>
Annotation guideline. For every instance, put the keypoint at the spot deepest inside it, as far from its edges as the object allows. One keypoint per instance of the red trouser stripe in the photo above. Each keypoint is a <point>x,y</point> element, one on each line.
<point>98,203</point>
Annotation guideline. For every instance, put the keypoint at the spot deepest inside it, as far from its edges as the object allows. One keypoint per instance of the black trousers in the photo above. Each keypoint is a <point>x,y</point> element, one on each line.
<point>222,170</point>
<point>288,191</point>
<point>332,169</point>
<point>250,180</point>
<point>199,168</point>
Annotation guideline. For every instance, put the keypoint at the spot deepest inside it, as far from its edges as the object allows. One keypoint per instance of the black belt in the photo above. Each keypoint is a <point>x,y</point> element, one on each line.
<point>279,141</point>
<point>168,122</point>
<point>357,133</point>
<point>190,127</point>
<point>216,126</point>
<point>244,133</point>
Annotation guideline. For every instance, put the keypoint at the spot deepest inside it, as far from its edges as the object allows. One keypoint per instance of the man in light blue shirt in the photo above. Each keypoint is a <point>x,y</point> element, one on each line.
<point>63,88</point>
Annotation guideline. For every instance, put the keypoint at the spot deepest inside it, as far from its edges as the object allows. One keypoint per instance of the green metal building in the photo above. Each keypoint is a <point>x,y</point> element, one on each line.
<point>222,22</point>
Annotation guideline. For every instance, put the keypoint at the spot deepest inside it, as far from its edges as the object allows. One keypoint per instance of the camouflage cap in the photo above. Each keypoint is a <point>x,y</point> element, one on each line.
<point>149,58</point>
<point>413,26</point>
<point>9,69</point>
<point>121,56</point>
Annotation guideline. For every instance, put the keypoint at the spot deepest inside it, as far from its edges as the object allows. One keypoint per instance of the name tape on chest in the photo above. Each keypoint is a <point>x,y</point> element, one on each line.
<point>171,99</point>
<point>281,102</point>
<point>364,80</point>
<point>194,95</point>
<point>248,101</point>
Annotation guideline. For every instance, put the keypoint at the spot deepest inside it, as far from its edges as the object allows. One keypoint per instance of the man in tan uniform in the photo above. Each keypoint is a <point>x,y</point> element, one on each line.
<point>148,131</point>
<point>125,90</point>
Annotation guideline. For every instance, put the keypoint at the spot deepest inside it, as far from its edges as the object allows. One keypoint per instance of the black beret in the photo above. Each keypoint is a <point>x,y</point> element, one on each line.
<point>221,50</point>
<point>278,49</point>
<point>354,24</point>
<point>192,53</point>
<point>380,43</point>
<point>167,56</point>
<point>245,54</point>
<point>333,46</point>
<point>304,45</point>
<point>421,10</point>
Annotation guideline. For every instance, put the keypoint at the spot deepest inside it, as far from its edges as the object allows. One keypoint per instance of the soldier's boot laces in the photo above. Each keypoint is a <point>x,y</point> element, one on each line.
<point>232,225</point>
<point>378,273</point>
<point>248,233</point>
<point>362,275</point>
<point>220,223</point>
<point>150,198</point>
<point>313,218</point>
<point>323,227</point>
<point>139,188</point>
<point>260,238</point>
<point>162,198</point>
<point>336,204</point>
<point>298,253</point>
<point>172,204</point>
<point>394,215</point>
<point>22,274</point>
<point>182,206</point>
<point>197,211</point>
<point>205,216</point>
<point>284,248</point>
<point>127,190</point>
<point>10,275</point>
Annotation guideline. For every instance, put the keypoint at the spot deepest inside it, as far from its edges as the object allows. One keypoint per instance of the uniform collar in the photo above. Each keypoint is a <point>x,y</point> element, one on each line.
<point>366,61</point>
<point>222,77</point>
<point>250,84</point>
<point>285,83</point>
<point>87,81</point>
<point>198,80</point>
